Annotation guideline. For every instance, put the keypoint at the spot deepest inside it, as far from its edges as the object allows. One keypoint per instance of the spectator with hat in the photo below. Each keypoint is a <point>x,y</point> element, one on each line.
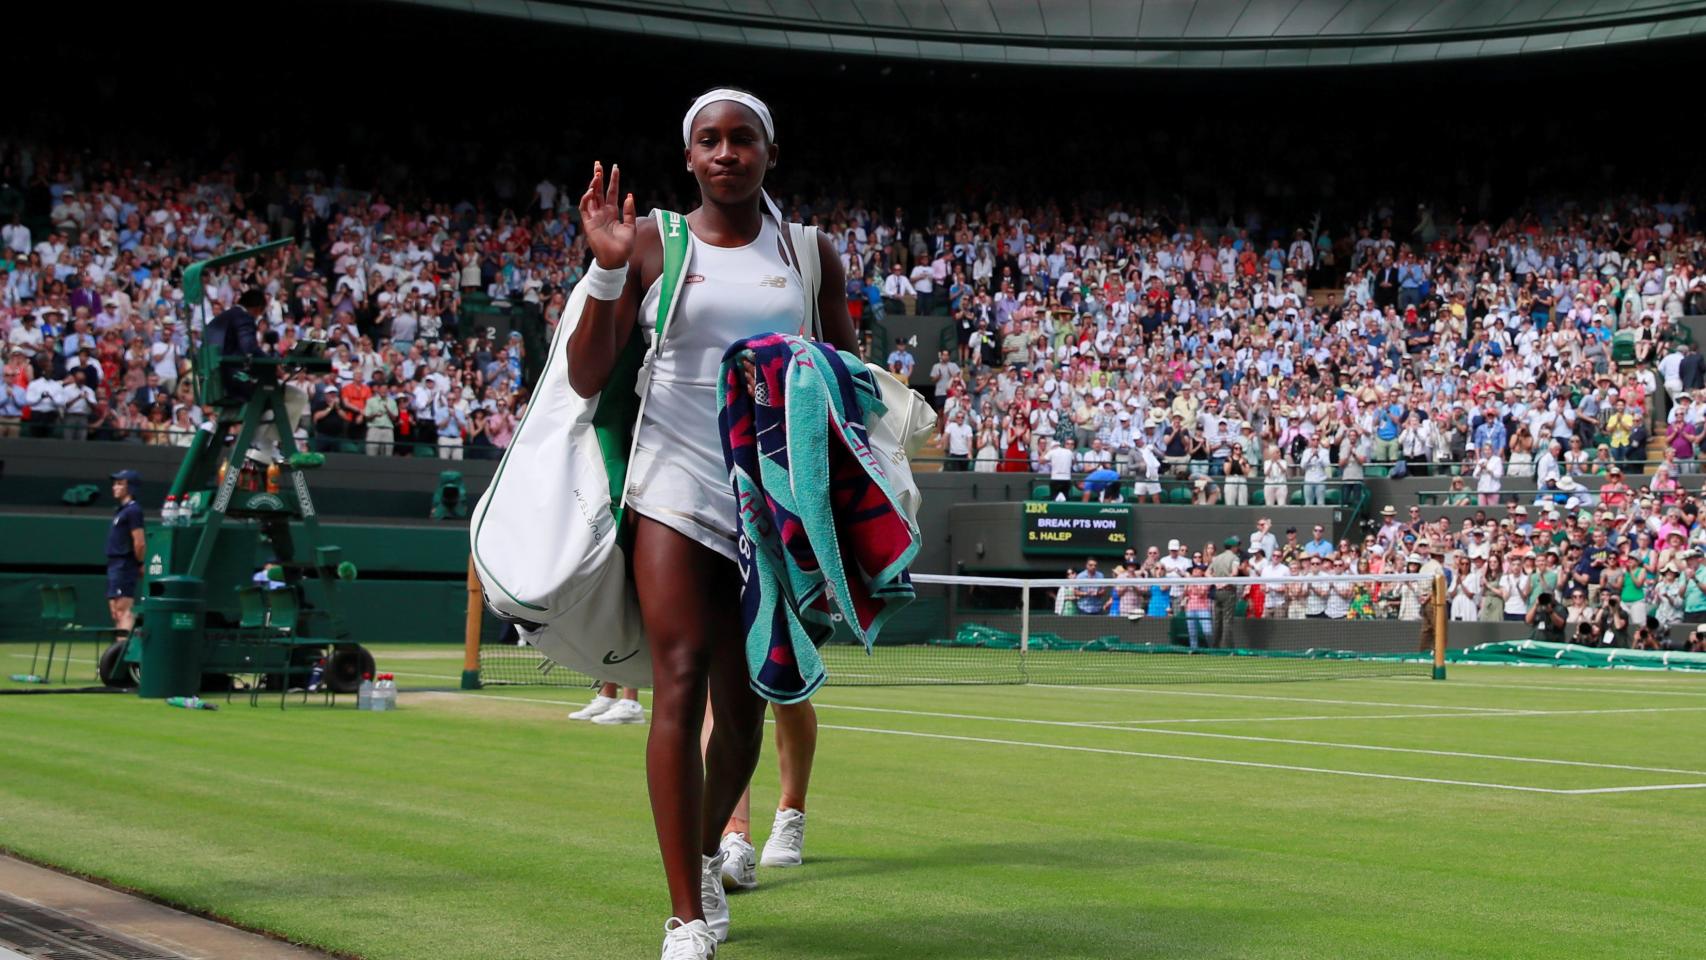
<point>1226,563</point>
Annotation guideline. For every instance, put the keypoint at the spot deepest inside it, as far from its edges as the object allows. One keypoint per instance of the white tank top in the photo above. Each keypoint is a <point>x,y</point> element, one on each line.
<point>728,293</point>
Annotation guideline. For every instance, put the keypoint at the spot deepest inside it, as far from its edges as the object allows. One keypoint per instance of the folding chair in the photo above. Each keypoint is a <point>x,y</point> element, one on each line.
<point>52,626</point>
<point>65,608</point>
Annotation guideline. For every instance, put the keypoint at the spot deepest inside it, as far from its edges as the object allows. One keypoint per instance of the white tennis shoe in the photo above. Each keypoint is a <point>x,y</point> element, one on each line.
<point>688,941</point>
<point>623,711</point>
<point>740,862</point>
<point>598,706</point>
<point>711,898</point>
<point>787,844</point>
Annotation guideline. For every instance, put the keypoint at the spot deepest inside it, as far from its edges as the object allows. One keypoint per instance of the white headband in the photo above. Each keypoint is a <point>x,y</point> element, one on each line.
<point>745,99</point>
<point>723,93</point>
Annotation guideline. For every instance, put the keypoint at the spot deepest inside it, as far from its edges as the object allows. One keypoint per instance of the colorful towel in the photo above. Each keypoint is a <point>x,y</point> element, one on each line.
<point>822,539</point>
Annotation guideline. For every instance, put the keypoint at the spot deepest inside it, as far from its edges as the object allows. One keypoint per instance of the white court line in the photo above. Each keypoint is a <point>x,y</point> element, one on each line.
<point>1252,696</point>
<point>1162,756</point>
<point>1427,716</point>
<point>1656,786</point>
<point>491,696</point>
<point>1264,766</point>
<point>1108,724</point>
<point>1254,739</point>
<point>1626,691</point>
<point>1325,716</point>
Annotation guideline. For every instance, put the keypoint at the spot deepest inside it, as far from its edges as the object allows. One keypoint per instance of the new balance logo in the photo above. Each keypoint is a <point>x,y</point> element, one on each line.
<point>777,282</point>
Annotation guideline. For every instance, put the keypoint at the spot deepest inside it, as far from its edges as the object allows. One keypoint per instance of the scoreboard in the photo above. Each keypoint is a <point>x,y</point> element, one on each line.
<point>1066,528</point>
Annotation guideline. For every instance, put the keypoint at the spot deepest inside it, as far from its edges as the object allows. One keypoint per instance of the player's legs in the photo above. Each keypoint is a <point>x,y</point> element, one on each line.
<point>694,634</point>
<point>796,748</point>
<point>737,735</point>
<point>124,612</point>
<point>739,856</point>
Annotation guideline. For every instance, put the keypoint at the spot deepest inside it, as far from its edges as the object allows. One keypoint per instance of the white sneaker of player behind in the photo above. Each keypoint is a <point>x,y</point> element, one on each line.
<point>711,898</point>
<point>598,706</point>
<point>787,844</point>
<point>623,711</point>
<point>740,862</point>
<point>688,941</point>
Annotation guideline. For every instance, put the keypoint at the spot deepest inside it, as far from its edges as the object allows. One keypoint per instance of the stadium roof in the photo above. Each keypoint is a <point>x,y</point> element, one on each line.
<point>1199,34</point>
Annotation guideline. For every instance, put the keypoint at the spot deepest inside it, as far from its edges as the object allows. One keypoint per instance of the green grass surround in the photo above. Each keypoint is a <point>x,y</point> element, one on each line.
<point>488,826</point>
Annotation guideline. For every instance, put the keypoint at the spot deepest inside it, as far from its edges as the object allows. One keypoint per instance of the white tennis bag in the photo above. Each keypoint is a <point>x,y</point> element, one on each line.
<point>545,535</point>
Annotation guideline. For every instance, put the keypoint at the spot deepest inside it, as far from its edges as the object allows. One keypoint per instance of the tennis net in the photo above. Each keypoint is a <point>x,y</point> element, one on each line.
<point>1001,630</point>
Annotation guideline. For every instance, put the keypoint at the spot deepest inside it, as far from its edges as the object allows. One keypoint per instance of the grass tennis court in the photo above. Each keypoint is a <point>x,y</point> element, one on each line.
<point>1507,812</point>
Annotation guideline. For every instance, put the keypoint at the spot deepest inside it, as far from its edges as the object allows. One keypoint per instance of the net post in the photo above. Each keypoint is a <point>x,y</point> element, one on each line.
<point>1440,621</point>
<point>471,631</point>
<point>1024,618</point>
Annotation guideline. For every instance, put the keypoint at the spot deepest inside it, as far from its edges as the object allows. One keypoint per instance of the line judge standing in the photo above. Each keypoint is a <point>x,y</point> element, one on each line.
<point>125,547</point>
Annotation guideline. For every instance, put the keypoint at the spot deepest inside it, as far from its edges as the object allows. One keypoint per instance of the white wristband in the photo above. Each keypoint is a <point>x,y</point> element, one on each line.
<point>605,284</point>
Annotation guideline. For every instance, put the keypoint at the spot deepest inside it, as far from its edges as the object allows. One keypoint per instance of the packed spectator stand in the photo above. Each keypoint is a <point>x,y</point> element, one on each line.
<point>1115,352</point>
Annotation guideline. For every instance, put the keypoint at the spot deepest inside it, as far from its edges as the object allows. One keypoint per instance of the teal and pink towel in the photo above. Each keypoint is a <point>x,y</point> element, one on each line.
<point>822,538</point>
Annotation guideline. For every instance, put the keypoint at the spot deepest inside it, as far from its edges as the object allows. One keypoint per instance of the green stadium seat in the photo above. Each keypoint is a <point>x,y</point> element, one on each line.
<point>1257,497</point>
<point>283,609</point>
<point>251,607</point>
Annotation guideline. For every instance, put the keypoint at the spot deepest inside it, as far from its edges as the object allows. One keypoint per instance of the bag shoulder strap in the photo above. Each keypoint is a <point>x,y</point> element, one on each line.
<point>810,263</point>
<point>672,229</point>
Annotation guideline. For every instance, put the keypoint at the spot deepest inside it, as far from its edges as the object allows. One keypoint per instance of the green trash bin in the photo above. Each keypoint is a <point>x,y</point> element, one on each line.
<point>171,636</point>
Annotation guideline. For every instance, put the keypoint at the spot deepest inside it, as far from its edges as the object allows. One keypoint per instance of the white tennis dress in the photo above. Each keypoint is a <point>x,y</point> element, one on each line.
<point>677,476</point>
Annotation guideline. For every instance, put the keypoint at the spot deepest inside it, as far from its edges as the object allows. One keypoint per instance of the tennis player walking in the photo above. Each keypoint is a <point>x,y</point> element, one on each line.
<point>742,281</point>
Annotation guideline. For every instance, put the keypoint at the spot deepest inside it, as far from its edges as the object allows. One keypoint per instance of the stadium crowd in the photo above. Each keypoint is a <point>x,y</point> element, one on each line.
<point>91,302</point>
<point>1526,351</point>
<point>1615,568</point>
<point>1513,358</point>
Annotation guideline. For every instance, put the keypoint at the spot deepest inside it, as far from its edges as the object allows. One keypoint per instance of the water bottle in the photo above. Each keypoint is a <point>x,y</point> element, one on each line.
<point>169,512</point>
<point>315,675</point>
<point>364,696</point>
<point>385,693</point>
<point>191,703</point>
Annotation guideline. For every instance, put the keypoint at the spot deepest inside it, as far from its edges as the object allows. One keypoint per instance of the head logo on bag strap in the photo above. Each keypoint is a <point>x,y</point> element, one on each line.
<point>674,260</point>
